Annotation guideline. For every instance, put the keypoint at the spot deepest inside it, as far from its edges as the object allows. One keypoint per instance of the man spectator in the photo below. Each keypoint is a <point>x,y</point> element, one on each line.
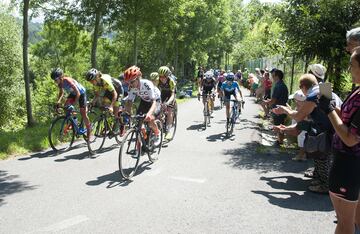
<point>352,39</point>
<point>279,97</point>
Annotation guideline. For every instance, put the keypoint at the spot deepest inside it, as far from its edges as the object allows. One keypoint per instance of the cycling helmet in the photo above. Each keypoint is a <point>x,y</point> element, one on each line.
<point>164,71</point>
<point>91,74</point>
<point>209,75</point>
<point>56,73</point>
<point>132,73</point>
<point>154,76</point>
<point>230,76</point>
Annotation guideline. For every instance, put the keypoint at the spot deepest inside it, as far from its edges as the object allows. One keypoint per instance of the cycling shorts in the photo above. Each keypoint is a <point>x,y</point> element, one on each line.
<point>71,100</point>
<point>144,107</point>
<point>228,95</point>
<point>344,178</point>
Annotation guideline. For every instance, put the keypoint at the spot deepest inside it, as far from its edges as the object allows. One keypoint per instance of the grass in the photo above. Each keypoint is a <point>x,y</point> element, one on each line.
<point>24,140</point>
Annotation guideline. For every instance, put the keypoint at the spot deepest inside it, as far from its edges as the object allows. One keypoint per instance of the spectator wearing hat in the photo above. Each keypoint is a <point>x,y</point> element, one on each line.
<point>318,71</point>
<point>279,97</point>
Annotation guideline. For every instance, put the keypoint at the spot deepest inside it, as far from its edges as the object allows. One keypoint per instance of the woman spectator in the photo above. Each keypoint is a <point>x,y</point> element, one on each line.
<point>344,178</point>
<point>319,123</point>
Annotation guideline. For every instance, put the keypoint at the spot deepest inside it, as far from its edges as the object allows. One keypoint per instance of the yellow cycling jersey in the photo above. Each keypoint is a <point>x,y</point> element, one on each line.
<point>105,84</point>
<point>168,86</point>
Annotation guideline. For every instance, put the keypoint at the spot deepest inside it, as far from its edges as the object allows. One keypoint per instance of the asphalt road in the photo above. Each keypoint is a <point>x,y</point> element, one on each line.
<point>202,183</point>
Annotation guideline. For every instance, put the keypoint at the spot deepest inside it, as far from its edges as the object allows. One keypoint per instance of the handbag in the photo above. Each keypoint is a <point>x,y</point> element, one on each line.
<point>317,143</point>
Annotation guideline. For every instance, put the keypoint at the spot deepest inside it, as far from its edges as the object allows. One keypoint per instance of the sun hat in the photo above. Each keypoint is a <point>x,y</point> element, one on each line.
<point>298,96</point>
<point>318,70</point>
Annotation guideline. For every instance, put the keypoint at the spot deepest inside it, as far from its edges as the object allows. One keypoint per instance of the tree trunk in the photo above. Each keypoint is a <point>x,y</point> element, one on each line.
<point>95,37</point>
<point>30,120</point>
<point>135,35</point>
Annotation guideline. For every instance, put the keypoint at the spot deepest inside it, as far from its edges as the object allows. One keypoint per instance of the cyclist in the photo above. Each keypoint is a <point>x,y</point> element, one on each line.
<point>149,94</point>
<point>167,87</point>
<point>77,93</point>
<point>108,89</point>
<point>220,80</point>
<point>230,87</point>
<point>206,87</point>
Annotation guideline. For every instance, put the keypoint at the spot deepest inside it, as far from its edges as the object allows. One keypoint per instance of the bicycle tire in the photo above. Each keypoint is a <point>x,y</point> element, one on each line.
<point>65,126</point>
<point>151,148</point>
<point>173,128</point>
<point>99,129</point>
<point>129,154</point>
<point>205,115</point>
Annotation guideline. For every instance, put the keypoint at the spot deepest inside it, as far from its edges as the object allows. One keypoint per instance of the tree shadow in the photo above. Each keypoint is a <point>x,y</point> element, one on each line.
<point>217,137</point>
<point>115,179</point>
<point>8,186</point>
<point>45,154</point>
<point>264,158</point>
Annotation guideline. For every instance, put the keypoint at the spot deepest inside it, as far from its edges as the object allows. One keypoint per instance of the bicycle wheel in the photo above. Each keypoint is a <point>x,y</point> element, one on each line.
<point>61,134</point>
<point>172,130</point>
<point>129,154</point>
<point>153,150</point>
<point>99,129</point>
<point>205,114</point>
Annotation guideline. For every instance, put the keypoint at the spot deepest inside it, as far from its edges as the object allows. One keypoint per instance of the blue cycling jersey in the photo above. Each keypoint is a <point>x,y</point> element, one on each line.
<point>70,85</point>
<point>230,86</point>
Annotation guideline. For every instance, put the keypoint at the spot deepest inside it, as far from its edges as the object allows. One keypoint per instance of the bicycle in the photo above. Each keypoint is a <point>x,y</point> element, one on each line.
<point>105,126</point>
<point>207,108</point>
<point>64,128</point>
<point>138,140</point>
<point>164,120</point>
<point>234,114</point>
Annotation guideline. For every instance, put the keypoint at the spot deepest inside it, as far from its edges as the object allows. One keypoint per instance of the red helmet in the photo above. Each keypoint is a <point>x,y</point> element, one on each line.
<point>132,73</point>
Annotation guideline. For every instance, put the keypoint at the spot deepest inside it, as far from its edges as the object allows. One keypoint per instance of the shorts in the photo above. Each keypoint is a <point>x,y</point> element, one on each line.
<point>207,90</point>
<point>71,100</point>
<point>144,107</point>
<point>165,96</point>
<point>279,119</point>
<point>344,178</point>
<point>228,96</point>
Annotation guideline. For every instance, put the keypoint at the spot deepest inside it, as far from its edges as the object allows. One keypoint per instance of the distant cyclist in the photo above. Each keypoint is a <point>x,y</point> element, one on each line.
<point>230,87</point>
<point>207,87</point>
<point>167,87</point>
<point>77,93</point>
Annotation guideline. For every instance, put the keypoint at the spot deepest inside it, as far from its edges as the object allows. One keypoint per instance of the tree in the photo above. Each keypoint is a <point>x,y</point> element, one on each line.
<point>10,67</point>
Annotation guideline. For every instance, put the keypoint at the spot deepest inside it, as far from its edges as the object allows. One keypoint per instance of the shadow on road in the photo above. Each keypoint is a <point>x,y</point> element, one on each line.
<point>197,127</point>
<point>264,159</point>
<point>39,155</point>
<point>115,179</point>
<point>291,200</point>
<point>9,185</point>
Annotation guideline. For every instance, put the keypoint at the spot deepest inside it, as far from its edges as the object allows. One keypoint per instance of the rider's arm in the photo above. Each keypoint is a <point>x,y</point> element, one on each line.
<point>114,98</point>
<point>60,96</point>
<point>93,103</point>
<point>128,105</point>
<point>200,85</point>
<point>152,108</point>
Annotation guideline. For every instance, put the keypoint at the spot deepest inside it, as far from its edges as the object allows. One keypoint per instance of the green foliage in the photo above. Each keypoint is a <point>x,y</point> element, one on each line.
<point>10,68</point>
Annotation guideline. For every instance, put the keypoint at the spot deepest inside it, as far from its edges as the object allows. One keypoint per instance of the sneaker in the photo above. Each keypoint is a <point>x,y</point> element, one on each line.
<point>323,189</point>
<point>168,136</point>
<point>157,140</point>
<point>299,158</point>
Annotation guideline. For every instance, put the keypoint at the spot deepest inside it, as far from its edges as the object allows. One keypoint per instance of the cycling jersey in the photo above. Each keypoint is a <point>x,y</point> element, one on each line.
<point>70,86</point>
<point>230,87</point>
<point>169,86</point>
<point>208,82</point>
<point>147,92</point>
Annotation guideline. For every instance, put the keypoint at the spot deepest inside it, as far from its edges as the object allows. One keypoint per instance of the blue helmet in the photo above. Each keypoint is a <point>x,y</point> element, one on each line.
<point>230,76</point>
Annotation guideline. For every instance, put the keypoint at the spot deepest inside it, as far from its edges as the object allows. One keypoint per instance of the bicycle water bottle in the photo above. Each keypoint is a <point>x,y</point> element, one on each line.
<point>75,120</point>
<point>143,130</point>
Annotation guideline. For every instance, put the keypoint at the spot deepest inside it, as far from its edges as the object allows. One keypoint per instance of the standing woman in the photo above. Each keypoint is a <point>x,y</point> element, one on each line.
<point>345,172</point>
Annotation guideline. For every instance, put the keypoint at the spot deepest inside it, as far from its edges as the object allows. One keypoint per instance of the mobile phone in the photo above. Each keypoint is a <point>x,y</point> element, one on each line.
<point>326,90</point>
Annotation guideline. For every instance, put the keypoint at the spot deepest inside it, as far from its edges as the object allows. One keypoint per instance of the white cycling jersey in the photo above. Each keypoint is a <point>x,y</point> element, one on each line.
<point>147,92</point>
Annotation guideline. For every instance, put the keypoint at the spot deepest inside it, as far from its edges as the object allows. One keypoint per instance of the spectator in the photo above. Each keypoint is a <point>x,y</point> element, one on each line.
<point>352,39</point>
<point>278,97</point>
<point>345,171</point>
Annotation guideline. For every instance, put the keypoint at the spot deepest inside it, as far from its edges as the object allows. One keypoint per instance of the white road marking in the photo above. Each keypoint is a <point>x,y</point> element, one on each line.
<point>65,224</point>
<point>200,181</point>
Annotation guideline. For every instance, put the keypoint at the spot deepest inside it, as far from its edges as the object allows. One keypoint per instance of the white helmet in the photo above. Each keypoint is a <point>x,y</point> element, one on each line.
<point>209,75</point>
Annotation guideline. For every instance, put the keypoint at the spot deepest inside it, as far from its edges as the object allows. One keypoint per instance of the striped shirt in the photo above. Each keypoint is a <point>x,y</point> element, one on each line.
<point>350,106</point>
